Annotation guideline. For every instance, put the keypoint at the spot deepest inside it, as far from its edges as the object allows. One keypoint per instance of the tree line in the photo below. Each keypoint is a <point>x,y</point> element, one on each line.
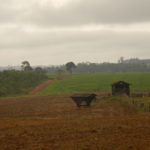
<point>128,65</point>
<point>123,65</point>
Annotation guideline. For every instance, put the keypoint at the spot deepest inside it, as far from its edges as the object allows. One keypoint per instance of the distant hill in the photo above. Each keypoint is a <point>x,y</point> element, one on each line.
<point>137,61</point>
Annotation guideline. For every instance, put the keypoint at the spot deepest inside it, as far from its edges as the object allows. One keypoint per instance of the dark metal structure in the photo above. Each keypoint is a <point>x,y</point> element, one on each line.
<point>83,98</point>
<point>120,88</point>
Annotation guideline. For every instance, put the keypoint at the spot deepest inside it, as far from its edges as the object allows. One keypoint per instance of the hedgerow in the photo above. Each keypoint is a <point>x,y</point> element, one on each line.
<point>14,82</point>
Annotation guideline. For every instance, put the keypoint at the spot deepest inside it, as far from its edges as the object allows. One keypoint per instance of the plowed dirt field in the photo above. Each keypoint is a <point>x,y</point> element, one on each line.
<point>55,123</point>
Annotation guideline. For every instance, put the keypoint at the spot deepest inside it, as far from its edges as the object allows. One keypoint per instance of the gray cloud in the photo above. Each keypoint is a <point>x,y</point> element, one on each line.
<point>82,30</point>
<point>87,12</point>
<point>76,13</point>
<point>98,46</point>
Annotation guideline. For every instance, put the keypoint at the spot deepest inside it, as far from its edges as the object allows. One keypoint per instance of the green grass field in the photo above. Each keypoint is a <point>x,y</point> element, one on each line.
<point>99,82</point>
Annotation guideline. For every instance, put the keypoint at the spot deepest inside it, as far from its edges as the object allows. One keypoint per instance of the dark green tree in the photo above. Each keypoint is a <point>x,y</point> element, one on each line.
<point>121,59</point>
<point>70,66</point>
<point>26,66</point>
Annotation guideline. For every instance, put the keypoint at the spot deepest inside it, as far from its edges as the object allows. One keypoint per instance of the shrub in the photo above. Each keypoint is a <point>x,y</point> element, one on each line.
<point>18,82</point>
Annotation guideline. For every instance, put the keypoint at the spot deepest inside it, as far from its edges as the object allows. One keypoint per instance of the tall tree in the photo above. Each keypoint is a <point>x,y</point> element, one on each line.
<point>121,59</point>
<point>70,66</point>
<point>26,66</point>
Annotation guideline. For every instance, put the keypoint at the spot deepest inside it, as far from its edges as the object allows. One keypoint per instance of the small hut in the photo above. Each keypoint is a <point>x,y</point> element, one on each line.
<point>120,88</point>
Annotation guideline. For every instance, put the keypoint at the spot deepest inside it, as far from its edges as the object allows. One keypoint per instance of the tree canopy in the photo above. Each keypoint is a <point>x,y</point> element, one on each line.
<point>26,66</point>
<point>70,66</point>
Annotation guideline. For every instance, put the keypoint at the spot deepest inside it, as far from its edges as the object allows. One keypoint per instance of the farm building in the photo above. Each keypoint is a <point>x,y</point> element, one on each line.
<point>120,88</point>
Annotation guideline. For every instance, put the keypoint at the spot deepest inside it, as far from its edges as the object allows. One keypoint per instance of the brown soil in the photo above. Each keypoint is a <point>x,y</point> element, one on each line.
<point>40,87</point>
<point>55,123</point>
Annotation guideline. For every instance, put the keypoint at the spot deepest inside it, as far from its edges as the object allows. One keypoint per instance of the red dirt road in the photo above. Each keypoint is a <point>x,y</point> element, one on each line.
<point>40,87</point>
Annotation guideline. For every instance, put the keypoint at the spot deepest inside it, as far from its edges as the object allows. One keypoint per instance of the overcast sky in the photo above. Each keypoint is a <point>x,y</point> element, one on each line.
<point>52,32</point>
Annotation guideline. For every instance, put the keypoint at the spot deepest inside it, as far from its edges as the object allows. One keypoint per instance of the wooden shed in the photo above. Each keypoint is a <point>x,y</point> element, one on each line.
<point>120,88</point>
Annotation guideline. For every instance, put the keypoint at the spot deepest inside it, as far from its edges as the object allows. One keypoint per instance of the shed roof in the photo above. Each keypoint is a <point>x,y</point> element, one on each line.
<point>120,83</point>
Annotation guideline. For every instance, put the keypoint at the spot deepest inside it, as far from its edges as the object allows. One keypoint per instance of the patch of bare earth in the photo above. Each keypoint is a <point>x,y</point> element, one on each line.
<point>55,123</point>
<point>40,87</point>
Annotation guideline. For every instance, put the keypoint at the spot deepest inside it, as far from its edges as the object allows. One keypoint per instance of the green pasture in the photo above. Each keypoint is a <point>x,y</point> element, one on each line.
<point>98,82</point>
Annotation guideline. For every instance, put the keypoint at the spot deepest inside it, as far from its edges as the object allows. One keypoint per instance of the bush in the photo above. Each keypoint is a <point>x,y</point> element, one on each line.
<point>18,82</point>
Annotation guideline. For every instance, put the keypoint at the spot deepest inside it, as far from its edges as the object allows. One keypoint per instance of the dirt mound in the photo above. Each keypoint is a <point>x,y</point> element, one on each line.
<point>40,87</point>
